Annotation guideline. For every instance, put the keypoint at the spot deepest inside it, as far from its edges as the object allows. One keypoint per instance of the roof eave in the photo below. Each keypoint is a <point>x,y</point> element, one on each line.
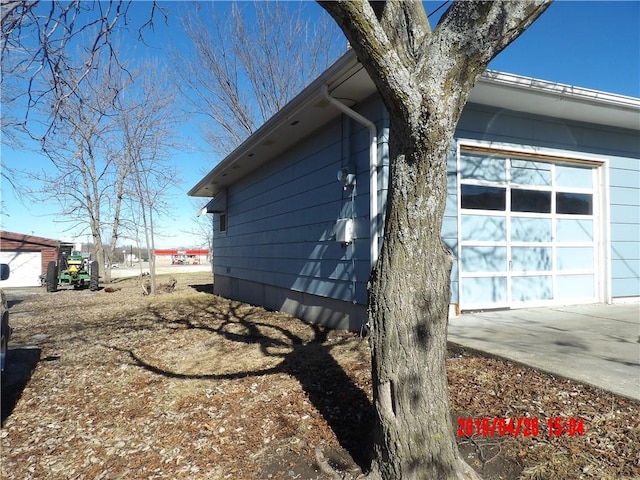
<point>297,114</point>
<point>565,102</point>
<point>347,79</point>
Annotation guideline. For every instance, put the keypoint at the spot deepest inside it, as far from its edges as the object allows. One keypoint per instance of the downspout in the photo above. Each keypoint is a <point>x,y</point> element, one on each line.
<point>373,170</point>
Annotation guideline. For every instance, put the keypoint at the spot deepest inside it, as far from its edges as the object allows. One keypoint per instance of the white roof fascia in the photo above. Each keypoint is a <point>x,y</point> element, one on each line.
<point>557,100</point>
<point>346,78</point>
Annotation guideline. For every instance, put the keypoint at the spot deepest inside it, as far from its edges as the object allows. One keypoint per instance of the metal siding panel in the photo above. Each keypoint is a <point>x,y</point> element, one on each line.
<point>281,220</point>
<point>625,178</point>
<point>317,199</point>
<point>480,122</point>
<point>554,132</point>
<point>287,185</point>
<point>625,232</point>
<point>625,163</point>
<point>627,268</point>
<point>625,250</point>
<point>450,228</point>
<point>451,207</point>
<point>623,287</point>
<point>625,214</point>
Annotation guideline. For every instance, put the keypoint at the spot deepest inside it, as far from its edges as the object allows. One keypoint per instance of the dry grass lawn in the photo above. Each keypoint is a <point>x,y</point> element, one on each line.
<point>188,385</point>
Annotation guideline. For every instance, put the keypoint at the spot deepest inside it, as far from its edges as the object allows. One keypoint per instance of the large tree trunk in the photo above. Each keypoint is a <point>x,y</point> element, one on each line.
<point>409,302</point>
<point>424,79</point>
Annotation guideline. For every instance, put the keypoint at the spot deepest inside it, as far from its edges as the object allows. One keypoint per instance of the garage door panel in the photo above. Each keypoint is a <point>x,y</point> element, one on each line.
<point>527,229</point>
<point>534,288</point>
<point>535,241</point>
<point>484,259</point>
<point>526,172</point>
<point>491,291</point>
<point>478,167</point>
<point>574,258</point>
<point>575,286</point>
<point>533,201</point>
<point>573,177</point>
<point>574,203</point>
<point>536,259</point>
<point>574,230</point>
<point>483,228</point>
<point>480,197</point>
<point>25,268</point>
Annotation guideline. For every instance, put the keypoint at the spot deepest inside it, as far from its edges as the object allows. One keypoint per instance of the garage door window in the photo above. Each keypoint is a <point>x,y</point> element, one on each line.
<point>526,172</point>
<point>530,201</point>
<point>574,203</point>
<point>526,229</point>
<point>478,197</point>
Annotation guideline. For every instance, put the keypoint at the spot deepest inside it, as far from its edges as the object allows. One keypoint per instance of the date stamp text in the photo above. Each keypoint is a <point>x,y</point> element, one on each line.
<point>519,427</point>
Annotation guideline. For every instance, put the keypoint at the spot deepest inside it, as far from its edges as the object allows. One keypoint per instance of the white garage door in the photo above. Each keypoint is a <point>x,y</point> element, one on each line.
<point>25,268</point>
<point>527,234</point>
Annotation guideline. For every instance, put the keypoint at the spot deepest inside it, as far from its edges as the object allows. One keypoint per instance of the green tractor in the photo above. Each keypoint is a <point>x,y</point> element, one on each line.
<point>72,270</point>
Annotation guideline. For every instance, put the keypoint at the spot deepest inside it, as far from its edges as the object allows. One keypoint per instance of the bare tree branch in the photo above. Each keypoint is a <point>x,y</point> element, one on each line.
<point>147,123</point>
<point>53,46</point>
<point>239,76</point>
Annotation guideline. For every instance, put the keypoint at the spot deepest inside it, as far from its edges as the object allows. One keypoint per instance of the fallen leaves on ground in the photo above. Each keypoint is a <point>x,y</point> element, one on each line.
<point>188,385</point>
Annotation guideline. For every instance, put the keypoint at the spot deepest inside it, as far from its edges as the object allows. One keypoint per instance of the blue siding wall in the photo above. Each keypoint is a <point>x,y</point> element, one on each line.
<point>624,178</point>
<point>281,218</point>
<point>620,147</point>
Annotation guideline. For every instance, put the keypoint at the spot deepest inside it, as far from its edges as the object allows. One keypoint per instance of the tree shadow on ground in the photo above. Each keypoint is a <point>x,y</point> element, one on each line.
<point>11,303</point>
<point>20,364</point>
<point>307,358</point>
<point>306,353</point>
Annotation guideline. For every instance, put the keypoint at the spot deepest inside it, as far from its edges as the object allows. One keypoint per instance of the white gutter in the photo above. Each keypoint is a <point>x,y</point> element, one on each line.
<point>373,170</point>
<point>581,94</point>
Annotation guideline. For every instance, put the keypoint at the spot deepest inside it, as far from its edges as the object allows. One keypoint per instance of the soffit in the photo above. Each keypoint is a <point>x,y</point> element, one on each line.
<point>348,82</point>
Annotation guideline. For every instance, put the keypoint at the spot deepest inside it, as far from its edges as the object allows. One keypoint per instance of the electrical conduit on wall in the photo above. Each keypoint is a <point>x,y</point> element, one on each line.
<point>373,170</point>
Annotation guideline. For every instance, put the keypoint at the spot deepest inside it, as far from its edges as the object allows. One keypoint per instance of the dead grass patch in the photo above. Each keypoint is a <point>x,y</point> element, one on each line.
<point>190,385</point>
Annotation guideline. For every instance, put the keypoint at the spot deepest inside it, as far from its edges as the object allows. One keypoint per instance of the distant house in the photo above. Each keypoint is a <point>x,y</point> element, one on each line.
<point>543,204</point>
<point>27,256</point>
<point>180,257</point>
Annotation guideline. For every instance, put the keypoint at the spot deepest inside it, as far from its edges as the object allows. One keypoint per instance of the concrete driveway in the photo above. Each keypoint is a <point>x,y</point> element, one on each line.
<point>594,344</point>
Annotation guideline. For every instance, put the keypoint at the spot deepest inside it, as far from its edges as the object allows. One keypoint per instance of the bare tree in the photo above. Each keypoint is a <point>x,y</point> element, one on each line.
<point>41,40</point>
<point>424,78</point>
<point>87,181</point>
<point>147,122</point>
<point>48,52</point>
<point>240,75</point>
<point>109,148</point>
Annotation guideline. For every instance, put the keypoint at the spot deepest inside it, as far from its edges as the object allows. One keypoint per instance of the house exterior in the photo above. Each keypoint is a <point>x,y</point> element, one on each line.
<point>543,203</point>
<point>27,257</point>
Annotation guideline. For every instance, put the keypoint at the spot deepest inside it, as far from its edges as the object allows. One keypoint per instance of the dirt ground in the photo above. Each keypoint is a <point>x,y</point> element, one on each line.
<point>188,385</point>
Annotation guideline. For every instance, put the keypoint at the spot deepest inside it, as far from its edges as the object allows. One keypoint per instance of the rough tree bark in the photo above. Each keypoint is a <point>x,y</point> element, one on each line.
<point>424,78</point>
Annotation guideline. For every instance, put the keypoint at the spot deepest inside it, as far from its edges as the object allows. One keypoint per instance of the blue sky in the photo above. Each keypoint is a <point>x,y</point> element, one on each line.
<point>592,44</point>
